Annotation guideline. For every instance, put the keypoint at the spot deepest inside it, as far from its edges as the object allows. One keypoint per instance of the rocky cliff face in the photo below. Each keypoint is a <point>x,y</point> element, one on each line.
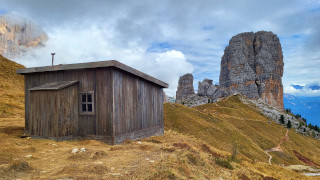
<point>18,35</point>
<point>185,94</point>
<point>252,65</point>
<point>185,86</point>
<point>206,88</point>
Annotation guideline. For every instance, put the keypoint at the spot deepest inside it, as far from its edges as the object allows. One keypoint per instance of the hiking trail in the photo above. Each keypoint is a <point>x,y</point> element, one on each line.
<point>278,147</point>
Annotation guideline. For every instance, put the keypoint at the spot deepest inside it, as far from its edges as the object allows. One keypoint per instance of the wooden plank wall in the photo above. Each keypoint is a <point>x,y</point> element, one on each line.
<point>54,113</point>
<point>68,111</point>
<point>98,80</point>
<point>104,105</point>
<point>137,103</point>
<point>44,123</point>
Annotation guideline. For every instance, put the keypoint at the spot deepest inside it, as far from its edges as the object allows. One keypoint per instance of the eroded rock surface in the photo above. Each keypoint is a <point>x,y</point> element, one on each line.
<point>206,88</point>
<point>252,65</point>
<point>18,35</point>
<point>185,86</point>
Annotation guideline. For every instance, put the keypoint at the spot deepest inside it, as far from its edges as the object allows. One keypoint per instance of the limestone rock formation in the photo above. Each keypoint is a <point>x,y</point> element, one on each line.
<point>185,86</point>
<point>185,94</point>
<point>193,100</point>
<point>18,35</point>
<point>252,65</point>
<point>206,88</point>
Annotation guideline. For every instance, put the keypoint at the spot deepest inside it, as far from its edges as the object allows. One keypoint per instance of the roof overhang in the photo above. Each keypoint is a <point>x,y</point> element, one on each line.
<point>90,65</point>
<point>54,86</point>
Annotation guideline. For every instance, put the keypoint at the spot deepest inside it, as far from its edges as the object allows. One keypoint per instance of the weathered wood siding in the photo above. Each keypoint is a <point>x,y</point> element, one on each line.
<point>104,105</point>
<point>98,80</point>
<point>54,113</point>
<point>125,105</point>
<point>138,104</point>
<point>68,111</point>
<point>44,113</point>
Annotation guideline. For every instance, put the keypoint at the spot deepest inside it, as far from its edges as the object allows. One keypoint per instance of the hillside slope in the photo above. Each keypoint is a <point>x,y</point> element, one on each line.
<point>11,89</point>
<point>230,125</point>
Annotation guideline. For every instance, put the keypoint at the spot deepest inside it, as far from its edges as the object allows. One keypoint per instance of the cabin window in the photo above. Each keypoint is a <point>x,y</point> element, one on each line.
<point>87,103</point>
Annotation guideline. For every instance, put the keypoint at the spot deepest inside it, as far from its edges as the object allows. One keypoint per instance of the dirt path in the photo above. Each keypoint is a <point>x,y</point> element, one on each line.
<point>278,147</point>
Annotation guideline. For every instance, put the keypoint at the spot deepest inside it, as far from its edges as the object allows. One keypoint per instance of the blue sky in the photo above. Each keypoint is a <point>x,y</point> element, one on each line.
<point>167,39</point>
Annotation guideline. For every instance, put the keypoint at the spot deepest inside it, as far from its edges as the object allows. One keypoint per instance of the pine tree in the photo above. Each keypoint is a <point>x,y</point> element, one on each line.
<point>289,124</point>
<point>282,119</point>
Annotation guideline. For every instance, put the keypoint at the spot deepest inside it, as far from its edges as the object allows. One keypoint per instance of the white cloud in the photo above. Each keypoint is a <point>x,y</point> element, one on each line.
<point>73,45</point>
<point>305,88</point>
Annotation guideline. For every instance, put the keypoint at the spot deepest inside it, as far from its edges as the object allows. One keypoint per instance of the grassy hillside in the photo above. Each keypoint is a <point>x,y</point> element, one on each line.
<point>171,156</point>
<point>11,89</point>
<point>232,126</point>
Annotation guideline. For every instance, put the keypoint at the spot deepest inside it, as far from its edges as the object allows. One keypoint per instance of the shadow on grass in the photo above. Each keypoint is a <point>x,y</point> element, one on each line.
<point>12,130</point>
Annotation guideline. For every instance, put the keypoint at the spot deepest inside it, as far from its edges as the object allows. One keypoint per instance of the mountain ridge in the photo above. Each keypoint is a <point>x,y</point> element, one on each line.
<point>18,35</point>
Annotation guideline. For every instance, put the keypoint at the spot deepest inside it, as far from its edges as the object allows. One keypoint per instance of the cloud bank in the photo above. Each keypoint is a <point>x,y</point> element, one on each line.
<point>169,38</point>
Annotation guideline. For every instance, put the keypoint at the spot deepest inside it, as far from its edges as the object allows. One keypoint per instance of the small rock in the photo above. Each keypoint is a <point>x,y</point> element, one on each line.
<point>139,142</point>
<point>54,145</point>
<point>83,149</point>
<point>152,161</point>
<point>147,159</point>
<point>112,168</point>
<point>28,156</point>
<point>116,174</point>
<point>4,166</point>
<point>98,162</point>
<point>74,151</point>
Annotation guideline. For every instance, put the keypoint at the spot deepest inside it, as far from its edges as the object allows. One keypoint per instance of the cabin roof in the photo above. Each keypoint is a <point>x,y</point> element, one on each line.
<point>90,65</point>
<point>54,86</point>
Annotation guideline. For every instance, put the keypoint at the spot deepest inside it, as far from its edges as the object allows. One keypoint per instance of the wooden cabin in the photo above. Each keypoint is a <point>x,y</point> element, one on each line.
<point>104,100</point>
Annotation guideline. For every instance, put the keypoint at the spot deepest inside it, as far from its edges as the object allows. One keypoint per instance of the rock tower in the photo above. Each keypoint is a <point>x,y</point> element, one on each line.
<point>185,86</point>
<point>252,65</point>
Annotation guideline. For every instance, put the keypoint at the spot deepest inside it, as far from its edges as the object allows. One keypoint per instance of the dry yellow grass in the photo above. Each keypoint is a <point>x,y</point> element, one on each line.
<point>172,156</point>
<point>11,89</point>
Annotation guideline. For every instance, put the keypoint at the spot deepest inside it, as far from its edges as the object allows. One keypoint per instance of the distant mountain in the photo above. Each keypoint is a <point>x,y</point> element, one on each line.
<point>307,107</point>
<point>18,35</point>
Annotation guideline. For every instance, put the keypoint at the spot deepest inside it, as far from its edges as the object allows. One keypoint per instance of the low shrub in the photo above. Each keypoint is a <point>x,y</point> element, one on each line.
<point>223,163</point>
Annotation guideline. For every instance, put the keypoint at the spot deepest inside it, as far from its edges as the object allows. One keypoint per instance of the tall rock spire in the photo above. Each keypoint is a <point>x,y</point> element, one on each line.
<point>252,65</point>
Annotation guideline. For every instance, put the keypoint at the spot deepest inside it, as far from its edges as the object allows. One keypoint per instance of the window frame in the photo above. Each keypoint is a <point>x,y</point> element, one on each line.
<point>81,103</point>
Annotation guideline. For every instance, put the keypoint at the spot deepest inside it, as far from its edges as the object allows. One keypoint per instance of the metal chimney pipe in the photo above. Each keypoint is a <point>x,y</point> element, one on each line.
<point>52,57</point>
